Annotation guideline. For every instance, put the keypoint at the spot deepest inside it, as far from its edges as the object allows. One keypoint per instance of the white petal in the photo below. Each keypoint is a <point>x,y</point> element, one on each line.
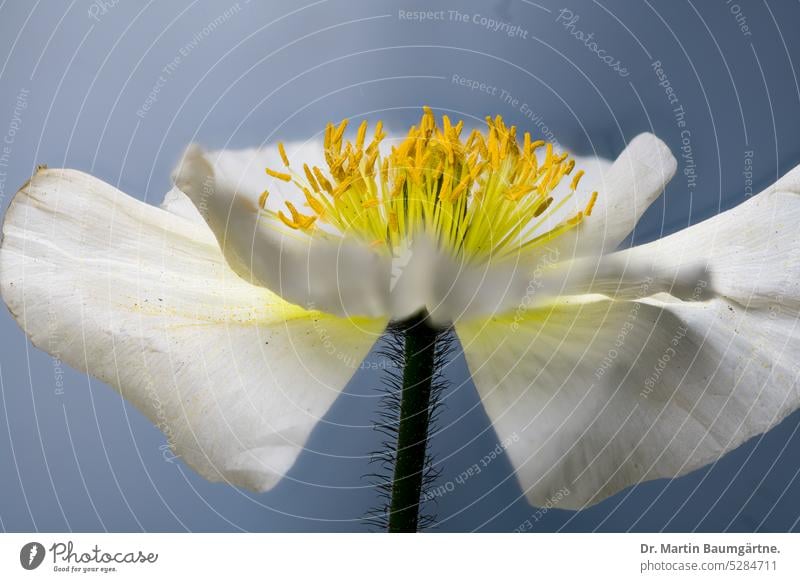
<point>334,274</point>
<point>178,203</point>
<point>598,395</point>
<point>626,189</point>
<point>752,252</point>
<point>457,291</point>
<point>142,299</point>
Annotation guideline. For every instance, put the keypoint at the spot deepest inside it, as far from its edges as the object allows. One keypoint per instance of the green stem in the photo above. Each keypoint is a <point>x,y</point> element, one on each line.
<point>412,434</point>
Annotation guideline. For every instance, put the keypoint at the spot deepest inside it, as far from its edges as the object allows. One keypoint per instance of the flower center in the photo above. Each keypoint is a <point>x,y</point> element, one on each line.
<point>482,197</point>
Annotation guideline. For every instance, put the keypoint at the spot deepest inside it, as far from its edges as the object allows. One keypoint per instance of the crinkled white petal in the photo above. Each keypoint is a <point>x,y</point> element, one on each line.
<point>454,290</point>
<point>595,394</point>
<point>332,273</point>
<point>142,299</point>
<point>176,202</point>
<point>751,251</point>
<point>626,189</point>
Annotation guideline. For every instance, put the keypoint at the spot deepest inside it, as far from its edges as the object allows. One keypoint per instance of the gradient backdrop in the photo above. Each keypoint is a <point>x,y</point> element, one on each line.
<point>75,78</point>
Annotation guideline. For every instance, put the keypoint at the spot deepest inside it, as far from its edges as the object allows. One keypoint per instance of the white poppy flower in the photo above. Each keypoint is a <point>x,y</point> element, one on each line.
<point>233,318</point>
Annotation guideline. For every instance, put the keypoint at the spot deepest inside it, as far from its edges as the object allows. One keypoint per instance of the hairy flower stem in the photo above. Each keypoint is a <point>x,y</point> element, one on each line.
<point>412,433</point>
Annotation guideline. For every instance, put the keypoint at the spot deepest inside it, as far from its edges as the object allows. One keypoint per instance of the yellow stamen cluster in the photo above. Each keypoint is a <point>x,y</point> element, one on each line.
<point>482,196</point>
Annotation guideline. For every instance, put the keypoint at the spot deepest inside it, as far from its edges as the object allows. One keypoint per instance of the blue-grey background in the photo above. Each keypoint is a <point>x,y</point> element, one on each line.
<point>73,76</point>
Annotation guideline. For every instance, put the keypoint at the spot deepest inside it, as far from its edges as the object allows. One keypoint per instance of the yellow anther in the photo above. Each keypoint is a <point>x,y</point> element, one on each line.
<point>398,186</point>
<point>287,221</point>
<point>361,135</point>
<point>406,187</point>
<point>342,186</point>
<point>590,206</point>
<point>477,170</point>
<point>462,187</point>
<point>328,134</point>
<point>575,180</point>
<point>494,154</point>
<point>428,121</point>
<point>278,175</point>
<point>355,157</point>
<point>295,214</point>
<point>262,200</point>
<point>314,204</point>
<point>504,144</point>
<point>542,207</point>
<point>447,126</point>
<point>369,163</point>
<point>322,180</point>
<point>339,133</point>
<point>297,221</point>
<point>385,170</point>
<point>548,156</point>
<point>310,177</point>
<point>282,152</point>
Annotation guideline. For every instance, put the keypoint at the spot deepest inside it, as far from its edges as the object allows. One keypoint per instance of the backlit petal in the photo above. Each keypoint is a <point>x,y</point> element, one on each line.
<point>142,299</point>
<point>332,273</point>
<point>599,394</point>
